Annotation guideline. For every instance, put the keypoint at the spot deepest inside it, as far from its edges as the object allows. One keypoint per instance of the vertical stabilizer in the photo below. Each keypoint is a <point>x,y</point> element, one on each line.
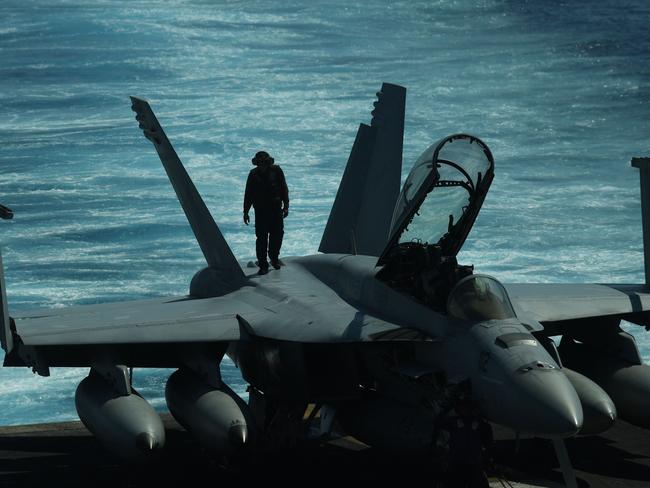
<point>644,173</point>
<point>215,248</point>
<point>364,203</point>
<point>6,336</point>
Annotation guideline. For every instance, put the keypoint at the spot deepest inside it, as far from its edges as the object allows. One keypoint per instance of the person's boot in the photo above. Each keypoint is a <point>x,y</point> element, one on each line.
<point>276,263</point>
<point>264,268</point>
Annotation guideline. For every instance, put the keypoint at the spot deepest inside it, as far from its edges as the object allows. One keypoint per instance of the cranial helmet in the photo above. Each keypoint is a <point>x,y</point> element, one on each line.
<point>262,157</point>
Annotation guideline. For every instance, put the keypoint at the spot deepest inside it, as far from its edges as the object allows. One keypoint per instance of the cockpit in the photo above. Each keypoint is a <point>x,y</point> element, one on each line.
<point>434,213</point>
<point>479,297</point>
<point>463,171</point>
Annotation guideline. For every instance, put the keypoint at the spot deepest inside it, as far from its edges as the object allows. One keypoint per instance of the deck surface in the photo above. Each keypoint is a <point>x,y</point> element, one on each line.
<point>65,454</point>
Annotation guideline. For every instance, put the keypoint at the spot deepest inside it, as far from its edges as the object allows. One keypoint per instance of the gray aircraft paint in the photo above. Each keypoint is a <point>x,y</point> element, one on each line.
<point>215,416</point>
<point>224,269</point>
<point>360,219</point>
<point>598,408</point>
<point>125,424</point>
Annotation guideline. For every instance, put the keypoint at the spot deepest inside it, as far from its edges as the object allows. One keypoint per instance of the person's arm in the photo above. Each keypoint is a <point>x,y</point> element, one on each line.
<point>284,190</point>
<point>248,197</point>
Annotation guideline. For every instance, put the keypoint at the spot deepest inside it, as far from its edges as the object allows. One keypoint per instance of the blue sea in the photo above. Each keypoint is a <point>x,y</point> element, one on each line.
<point>559,90</point>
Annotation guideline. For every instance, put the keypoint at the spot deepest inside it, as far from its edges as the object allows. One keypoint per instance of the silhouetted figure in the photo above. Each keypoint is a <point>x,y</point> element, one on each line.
<point>469,439</point>
<point>268,194</point>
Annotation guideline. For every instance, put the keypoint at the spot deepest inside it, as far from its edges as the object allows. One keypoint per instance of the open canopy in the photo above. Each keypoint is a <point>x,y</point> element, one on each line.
<point>443,194</point>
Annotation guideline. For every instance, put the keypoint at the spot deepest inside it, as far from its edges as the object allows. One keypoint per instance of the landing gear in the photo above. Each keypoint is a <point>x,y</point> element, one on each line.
<point>282,423</point>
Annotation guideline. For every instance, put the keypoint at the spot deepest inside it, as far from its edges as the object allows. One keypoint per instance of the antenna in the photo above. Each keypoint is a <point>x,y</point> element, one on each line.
<point>644,171</point>
<point>6,335</point>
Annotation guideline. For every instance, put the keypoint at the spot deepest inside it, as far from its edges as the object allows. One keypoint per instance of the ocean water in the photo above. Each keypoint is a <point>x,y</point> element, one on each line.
<point>558,90</point>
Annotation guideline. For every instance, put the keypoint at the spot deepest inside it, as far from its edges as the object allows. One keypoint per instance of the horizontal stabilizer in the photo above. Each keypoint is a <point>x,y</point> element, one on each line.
<point>359,222</point>
<point>215,248</point>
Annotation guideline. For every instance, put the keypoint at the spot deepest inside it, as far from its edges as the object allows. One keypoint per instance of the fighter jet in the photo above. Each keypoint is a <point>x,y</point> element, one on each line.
<point>381,330</point>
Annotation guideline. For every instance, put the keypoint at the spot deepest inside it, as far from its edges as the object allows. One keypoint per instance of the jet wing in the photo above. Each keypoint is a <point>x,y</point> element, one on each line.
<point>291,305</point>
<point>160,333</point>
<point>551,302</point>
<point>183,320</point>
<point>142,321</point>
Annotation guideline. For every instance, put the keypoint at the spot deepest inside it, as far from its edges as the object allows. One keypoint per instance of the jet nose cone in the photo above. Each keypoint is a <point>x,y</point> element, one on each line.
<point>598,408</point>
<point>599,416</point>
<point>552,404</point>
<point>238,435</point>
<point>564,421</point>
<point>146,442</point>
<point>538,402</point>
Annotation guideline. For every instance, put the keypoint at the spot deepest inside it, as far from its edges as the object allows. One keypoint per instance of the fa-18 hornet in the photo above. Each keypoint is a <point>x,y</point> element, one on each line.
<point>381,330</point>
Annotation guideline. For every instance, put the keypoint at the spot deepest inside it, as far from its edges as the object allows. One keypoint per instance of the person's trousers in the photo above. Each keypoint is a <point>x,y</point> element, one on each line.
<point>269,230</point>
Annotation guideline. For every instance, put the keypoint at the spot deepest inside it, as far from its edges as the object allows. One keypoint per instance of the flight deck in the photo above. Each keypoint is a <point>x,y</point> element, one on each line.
<point>66,454</point>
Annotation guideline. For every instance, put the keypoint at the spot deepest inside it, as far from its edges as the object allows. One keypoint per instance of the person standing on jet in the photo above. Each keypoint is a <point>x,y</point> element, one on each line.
<point>268,194</point>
